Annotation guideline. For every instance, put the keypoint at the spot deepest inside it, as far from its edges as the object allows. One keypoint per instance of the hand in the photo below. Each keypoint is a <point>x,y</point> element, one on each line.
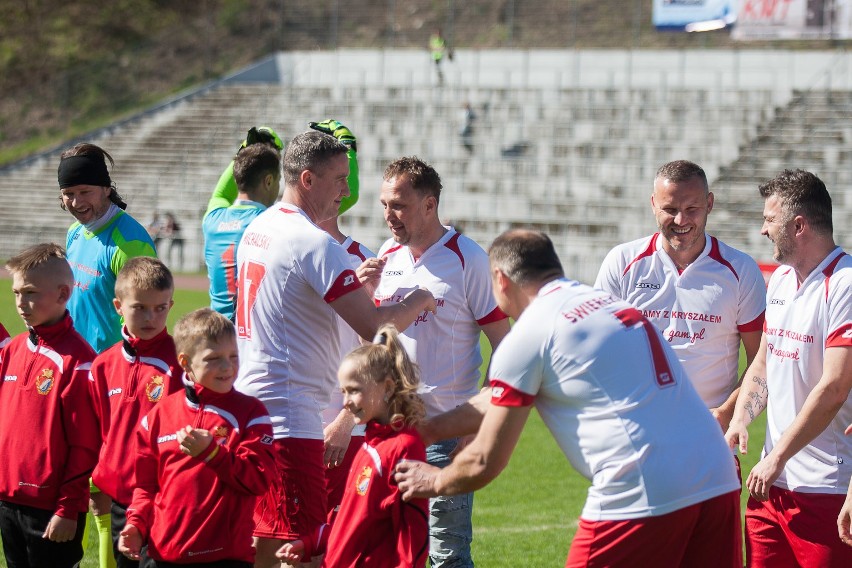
<point>762,476</point>
<point>130,542</point>
<point>193,441</point>
<point>336,437</point>
<point>291,552</point>
<point>423,297</point>
<point>334,128</point>
<point>737,435</point>
<point>415,479</point>
<point>370,274</point>
<point>60,529</point>
<point>844,520</point>
<point>262,135</point>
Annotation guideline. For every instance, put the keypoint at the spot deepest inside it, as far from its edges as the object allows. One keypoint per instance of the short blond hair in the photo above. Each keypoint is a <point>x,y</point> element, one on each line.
<point>201,325</point>
<point>49,257</point>
<point>143,273</point>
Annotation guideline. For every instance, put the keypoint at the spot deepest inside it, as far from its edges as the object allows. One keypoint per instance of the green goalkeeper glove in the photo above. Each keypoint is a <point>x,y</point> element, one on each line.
<point>262,135</point>
<point>339,131</point>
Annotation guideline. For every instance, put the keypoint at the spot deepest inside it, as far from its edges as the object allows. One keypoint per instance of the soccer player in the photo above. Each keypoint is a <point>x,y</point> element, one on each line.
<point>424,253</point>
<point>49,436</point>
<point>293,279</point>
<point>130,378</point>
<point>664,488</point>
<point>204,457</point>
<point>802,376</point>
<point>101,240</point>
<point>703,295</point>
<point>257,171</point>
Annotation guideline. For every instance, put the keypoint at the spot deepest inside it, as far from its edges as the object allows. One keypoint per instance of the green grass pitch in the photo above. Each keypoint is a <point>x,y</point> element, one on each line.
<point>527,516</point>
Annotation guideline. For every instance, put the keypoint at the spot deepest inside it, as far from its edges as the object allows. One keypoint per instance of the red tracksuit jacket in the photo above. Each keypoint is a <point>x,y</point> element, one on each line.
<point>375,527</point>
<point>199,509</point>
<point>127,381</point>
<point>49,436</point>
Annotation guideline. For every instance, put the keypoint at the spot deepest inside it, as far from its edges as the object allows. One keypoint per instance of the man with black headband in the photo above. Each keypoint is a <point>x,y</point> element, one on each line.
<point>99,242</point>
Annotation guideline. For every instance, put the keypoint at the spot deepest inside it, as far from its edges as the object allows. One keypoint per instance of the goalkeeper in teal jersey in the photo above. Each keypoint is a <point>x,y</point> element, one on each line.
<point>245,189</point>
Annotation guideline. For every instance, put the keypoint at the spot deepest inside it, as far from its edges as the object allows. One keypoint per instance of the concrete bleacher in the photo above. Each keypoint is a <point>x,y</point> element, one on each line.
<point>575,159</point>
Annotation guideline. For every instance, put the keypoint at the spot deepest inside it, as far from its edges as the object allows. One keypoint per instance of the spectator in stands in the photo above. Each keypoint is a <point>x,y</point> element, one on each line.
<point>423,253</point>
<point>704,296</point>
<point>802,376</point>
<point>466,132</point>
<point>296,277</point>
<point>98,244</point>
<point>438,49</point>
<point>664,489</point>
<point>171,231</point>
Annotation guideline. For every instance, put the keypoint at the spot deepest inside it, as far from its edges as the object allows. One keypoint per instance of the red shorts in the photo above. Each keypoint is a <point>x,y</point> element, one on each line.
<point>294,504</point>
<point>705,534</point>
<point>795,529</point>
<point>335,478</point>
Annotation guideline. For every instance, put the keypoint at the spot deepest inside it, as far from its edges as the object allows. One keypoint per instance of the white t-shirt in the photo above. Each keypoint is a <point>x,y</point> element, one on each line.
<point>445,345</point>
<point>801,322</point>
<point>616,400</point>
<point>290,270</point>
<point>700,311</point>
<point>349,340</point>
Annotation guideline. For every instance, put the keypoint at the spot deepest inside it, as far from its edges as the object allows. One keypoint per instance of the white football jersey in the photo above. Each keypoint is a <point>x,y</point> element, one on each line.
<point>700,311</point>
<point>445,345</point>
<point>290,270</point>
<point>801,323</point>
<point>616,400</point>
<point>349,340</point>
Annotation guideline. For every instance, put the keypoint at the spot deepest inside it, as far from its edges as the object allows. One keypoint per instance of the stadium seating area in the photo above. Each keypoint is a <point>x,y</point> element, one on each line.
<point>577,162</point>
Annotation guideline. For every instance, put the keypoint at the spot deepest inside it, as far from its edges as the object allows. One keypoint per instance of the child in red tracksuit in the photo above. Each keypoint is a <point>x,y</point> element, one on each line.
<point>375,527</point>
<point>204,457</point>
<point>48,432</point>
<point>130,378</point>
<point>4,337</point>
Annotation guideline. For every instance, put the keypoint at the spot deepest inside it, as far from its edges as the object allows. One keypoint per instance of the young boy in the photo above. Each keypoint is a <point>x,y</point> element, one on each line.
<point>204,457</point>
<point>130,378</point>
<point>48,432</point>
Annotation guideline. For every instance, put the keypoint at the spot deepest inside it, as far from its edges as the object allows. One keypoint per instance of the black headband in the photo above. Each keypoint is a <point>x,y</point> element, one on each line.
<point>83,170</point>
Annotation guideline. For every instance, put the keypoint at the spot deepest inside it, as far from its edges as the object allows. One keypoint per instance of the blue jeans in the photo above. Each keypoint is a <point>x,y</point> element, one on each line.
<point>450,527</point>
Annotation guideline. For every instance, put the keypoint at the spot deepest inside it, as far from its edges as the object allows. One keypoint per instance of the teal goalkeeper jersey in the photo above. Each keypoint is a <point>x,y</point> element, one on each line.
<point>95,260</point>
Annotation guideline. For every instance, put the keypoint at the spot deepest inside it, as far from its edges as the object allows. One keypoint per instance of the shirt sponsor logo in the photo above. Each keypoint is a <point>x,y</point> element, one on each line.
<point>154,389</point>
<point>497,392</point>
<point>166,438</point>
<point>362,482</point>
<point>689,336</point>
<point>789,334</point>
<point>648,285</point>
<point>267,439</point>
<point>393,272</point>
<point>349,280</point>
<point>847,334</point>
<point>113,392</point>
<point>10,378</point>
<point>776,302</point>
<point>220,434</point>
<point>45,382</point>
<point>792,354</point>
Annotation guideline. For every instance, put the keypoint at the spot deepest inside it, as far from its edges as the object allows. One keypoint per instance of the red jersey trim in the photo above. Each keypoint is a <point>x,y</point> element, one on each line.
<point>841,337</point>
<point>716,255</point>
<point>829,270</point>
<point>506,395</point>
<point>355,250</point>
<point>390,250</point>
<point>756,324</point>
<point>453,245</point>
<point>346,282</point>
<point>285,210</point>
<point>649,250</point>
<point>495,315</point>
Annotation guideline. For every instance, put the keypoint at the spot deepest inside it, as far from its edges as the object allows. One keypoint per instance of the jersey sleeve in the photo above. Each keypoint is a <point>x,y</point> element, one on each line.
<point>517,368</point>
<point>751,306</point>
<point>839,328</point>
<point>248,465</point>
<point>100,398</point>
<point>147,483</point>
<point>129,248</point>
<point>327,270</point>
<point>610,274</point>
<point>478,292</point>
<point>409,518</point>
<point>225,192</point>
<point>83,443</point>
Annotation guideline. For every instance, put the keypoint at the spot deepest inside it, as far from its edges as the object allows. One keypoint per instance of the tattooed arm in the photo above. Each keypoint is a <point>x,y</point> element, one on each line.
<point>751,400</point>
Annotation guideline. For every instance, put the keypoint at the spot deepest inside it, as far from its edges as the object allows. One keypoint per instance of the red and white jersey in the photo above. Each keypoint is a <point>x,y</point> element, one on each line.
<point>4,336</point>
<point>700,311</point>
<point>801,323</point>
<point>349,340</point>
<point>446,344</point>
<point>616,400</point>
<point>290,270</point>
